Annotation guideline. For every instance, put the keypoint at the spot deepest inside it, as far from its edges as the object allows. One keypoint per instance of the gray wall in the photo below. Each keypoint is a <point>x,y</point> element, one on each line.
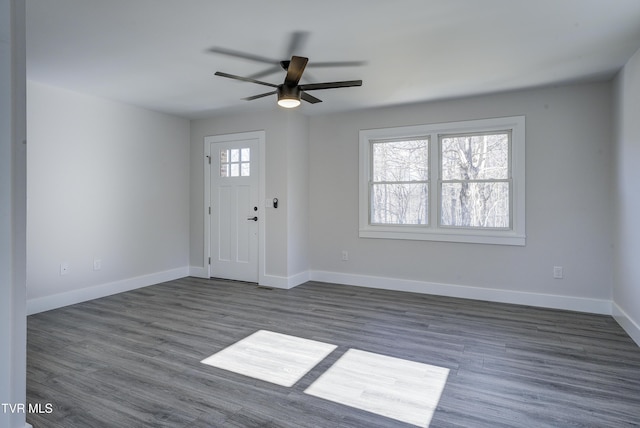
<point>568,215</point>
<point>626,188</point>
<point>107,181</point>
<point>298,190</point>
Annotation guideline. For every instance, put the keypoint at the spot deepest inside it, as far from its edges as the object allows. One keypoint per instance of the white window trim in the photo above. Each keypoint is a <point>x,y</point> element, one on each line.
<point>432,232</point>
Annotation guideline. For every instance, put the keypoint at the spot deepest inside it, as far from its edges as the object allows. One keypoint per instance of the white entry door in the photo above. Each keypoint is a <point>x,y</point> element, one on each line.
<point>235,208</point>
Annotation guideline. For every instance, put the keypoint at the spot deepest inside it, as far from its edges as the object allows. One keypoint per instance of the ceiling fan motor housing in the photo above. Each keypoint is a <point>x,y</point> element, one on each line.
<point>288,92</point>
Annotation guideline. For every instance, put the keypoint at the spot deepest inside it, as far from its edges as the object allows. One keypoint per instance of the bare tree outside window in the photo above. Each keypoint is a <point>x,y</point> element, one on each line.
<point>399,189</point>
<point>475,180</point>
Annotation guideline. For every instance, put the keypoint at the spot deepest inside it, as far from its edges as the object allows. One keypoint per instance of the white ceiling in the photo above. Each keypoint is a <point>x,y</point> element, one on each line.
<point>154,53</point>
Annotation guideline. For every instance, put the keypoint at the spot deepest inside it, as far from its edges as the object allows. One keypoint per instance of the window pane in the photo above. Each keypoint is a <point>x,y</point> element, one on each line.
<point>475,157</point>
<point>235,170</point>
<point>399,203</point>
<point>224,170</point>
<point>483,205</point>
<point>245,169</point>
<point>224,156</point>
<point>401,160</point>
<point>245,154</point>
<point>235,155</point>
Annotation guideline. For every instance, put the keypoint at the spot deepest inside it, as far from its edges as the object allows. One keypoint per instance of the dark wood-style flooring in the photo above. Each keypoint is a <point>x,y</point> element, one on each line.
<point>133,359</point>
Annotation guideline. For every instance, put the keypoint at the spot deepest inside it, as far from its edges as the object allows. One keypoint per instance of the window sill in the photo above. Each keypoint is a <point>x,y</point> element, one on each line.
<point>463,236</point>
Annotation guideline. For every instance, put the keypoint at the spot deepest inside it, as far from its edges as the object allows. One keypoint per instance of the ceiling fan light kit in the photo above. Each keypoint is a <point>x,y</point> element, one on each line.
<point>288,96</point>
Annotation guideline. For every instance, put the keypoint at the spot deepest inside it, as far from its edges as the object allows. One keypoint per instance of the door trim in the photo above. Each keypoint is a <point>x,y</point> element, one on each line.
<point>261,137</point>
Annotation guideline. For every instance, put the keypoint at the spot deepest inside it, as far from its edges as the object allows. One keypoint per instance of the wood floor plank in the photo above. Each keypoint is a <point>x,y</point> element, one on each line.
<point>133,359</point>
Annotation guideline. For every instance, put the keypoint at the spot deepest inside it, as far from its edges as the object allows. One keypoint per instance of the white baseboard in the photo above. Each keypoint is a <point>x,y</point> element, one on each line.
<point>275,281</point>
<point>198,272</point>
<point>596,306</point>
<point>286,282</point>
<point>46,303</point>
<point>627,323</point>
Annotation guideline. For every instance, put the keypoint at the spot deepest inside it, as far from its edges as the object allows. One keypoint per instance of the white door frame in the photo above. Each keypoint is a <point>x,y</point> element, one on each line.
<point>260,136</point>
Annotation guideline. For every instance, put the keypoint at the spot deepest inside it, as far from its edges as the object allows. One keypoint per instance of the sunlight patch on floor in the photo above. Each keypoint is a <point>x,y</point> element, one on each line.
<point>400,389</point>
<point>272,357</point>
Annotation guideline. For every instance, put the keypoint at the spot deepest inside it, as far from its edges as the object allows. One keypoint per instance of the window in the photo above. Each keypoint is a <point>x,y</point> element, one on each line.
<point>400,182</point>
<point>459,182</point>
<point>235,162</point>
<point>475,180</point>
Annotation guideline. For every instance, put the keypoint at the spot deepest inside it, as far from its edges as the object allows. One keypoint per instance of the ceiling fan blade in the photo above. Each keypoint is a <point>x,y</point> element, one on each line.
<point>266,72</point>
<point>337,64</point>
<point>309,98</point>
<point>244,79</point>
<point>255,97</point>
<point>298,40</point>
<point>295,70</point>
<point>243,55</point>
<point>330,85</point>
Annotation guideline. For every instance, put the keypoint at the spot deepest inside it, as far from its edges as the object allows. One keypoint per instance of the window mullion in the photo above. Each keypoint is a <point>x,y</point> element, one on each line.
<point>484,180</point>
<point>400,182</point>
<point>434,188</point>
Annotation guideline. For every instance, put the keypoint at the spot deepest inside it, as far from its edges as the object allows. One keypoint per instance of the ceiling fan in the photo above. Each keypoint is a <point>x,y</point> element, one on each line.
<point>290,92</point>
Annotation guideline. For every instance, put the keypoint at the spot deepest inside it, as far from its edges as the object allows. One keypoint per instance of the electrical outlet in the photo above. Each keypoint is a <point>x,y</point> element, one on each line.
<point>345,255</point>
<point>97,264</point>
<point>558,272</point>
<point>64,268</point>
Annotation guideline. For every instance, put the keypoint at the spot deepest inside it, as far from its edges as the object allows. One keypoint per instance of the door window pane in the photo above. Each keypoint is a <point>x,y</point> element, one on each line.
<point>235,155</point>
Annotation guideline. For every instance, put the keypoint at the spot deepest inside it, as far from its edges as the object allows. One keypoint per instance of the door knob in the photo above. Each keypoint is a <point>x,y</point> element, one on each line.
<point>253,218</point>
